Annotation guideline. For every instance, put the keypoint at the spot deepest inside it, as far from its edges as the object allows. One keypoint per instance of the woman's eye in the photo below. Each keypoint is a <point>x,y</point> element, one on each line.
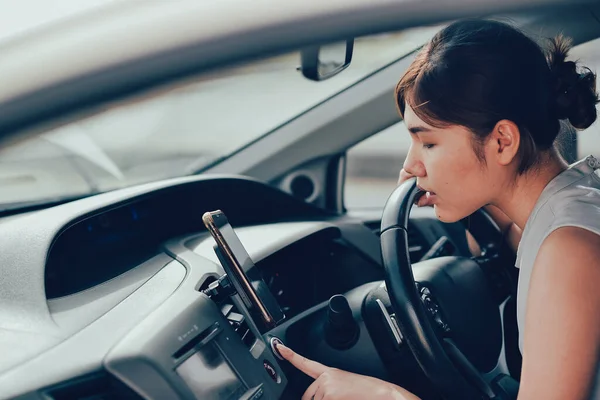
<point>428,146</point>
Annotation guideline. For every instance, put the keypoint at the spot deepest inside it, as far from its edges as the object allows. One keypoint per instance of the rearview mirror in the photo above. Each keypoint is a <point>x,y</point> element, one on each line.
<point>323,62</point>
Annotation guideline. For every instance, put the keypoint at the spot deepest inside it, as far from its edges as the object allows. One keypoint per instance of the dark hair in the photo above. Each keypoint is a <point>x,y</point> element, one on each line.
<point>475,73</point>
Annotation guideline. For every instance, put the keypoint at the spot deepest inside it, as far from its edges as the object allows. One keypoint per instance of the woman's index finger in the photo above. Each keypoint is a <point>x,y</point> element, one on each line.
<point>311,368</point>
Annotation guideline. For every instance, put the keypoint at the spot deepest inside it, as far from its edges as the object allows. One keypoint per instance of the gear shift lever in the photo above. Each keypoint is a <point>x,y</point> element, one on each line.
<point>341,330</point>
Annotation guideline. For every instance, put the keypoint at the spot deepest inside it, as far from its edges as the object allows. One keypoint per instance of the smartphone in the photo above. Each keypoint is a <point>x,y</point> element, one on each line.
<point>240,269</point>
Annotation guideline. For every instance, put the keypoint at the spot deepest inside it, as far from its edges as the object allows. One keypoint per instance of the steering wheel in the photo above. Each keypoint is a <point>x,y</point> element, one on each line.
<point>447,308</point>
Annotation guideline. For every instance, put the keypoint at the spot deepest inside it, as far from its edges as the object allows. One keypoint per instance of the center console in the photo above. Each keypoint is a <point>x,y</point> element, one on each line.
<point>207,351</point>
<point>207,343</point>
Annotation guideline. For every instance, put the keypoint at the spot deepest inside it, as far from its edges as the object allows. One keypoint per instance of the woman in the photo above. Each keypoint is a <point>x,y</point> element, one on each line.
<point>484,105</point>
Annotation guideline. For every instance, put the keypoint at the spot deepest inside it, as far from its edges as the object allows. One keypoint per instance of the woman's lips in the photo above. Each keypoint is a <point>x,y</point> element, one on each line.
<point>428,198</point>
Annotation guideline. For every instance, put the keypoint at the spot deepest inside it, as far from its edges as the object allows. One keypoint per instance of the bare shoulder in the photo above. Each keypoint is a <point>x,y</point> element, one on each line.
<point>567,270</point>
<point>571,243</point>
<point>568,262</point>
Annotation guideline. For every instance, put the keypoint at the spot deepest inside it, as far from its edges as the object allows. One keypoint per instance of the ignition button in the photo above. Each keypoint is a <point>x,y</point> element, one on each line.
<point>273,342</point>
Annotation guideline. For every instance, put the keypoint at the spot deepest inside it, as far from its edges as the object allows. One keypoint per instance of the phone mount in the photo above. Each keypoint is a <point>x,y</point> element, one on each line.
<point>220,289</point>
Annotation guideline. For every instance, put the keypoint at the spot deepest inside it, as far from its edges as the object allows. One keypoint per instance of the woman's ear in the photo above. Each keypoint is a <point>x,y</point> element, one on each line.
<point>504,142</point>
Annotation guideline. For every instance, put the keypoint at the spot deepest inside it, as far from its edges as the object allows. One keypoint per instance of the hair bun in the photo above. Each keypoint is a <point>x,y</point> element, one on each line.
<point>575,95</point>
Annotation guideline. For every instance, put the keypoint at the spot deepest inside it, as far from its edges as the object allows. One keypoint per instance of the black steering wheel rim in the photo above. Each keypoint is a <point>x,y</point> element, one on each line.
<point>411,315</point>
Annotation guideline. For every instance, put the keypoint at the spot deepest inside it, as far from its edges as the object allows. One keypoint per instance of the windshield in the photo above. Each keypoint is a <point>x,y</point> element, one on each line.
<point>22,16</point>
<point>181,131</point>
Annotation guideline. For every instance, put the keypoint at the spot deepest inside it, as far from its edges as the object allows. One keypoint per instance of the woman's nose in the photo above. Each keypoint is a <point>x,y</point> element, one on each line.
<point>413,165</point>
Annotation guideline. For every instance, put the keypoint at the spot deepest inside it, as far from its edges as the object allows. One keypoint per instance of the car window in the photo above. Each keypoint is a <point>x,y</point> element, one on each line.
<point>588,141</point>
<point>372,166</point>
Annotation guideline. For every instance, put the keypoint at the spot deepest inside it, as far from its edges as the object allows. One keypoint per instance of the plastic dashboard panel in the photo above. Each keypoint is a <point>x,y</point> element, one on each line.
<point>72,313</point>
<point>137,314</point>
<point>32,341</point>
<point>151,355</point>
<point>260,241</point>
<point>84,352</point>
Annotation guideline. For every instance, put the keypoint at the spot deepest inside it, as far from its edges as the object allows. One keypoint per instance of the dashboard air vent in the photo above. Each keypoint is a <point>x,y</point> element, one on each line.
<point>239,324</point>
<point>301,184</point>
<point>236,319</point>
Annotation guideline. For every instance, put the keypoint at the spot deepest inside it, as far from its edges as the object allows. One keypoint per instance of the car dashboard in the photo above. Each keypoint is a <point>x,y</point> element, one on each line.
<point>106,296</point>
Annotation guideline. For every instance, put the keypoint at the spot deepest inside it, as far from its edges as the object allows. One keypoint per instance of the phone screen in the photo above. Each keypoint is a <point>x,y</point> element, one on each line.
<point>240,268</point>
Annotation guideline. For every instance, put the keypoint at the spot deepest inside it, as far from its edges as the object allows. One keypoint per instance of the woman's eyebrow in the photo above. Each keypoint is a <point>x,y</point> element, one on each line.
<point>418,129</point>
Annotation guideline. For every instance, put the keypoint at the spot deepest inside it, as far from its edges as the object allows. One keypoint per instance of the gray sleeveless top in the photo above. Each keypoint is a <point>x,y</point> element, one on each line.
<point>571,199</point>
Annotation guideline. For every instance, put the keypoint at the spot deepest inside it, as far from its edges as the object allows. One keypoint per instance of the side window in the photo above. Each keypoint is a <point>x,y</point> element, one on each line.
<point>372,167</point>
<point>588,54</point>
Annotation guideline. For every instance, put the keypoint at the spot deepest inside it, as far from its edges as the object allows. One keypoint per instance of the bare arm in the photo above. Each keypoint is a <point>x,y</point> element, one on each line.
<point>562,332</point>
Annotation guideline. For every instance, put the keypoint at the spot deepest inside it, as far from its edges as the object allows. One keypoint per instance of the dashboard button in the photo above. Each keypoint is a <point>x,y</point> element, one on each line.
<point>273,342</point>
<point>236,318</point>
<point>257,395</point>
<point>271,371</point>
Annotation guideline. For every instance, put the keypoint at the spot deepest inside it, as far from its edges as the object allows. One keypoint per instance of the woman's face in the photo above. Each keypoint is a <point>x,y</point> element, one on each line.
<point>445,164</point>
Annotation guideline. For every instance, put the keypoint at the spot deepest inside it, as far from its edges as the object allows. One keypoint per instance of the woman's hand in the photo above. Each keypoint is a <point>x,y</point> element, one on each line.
<point>333,384</point>
<point>404,175</point>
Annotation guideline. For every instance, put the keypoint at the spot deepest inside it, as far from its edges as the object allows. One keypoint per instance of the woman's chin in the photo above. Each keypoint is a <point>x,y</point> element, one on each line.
<point>447,216</point>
